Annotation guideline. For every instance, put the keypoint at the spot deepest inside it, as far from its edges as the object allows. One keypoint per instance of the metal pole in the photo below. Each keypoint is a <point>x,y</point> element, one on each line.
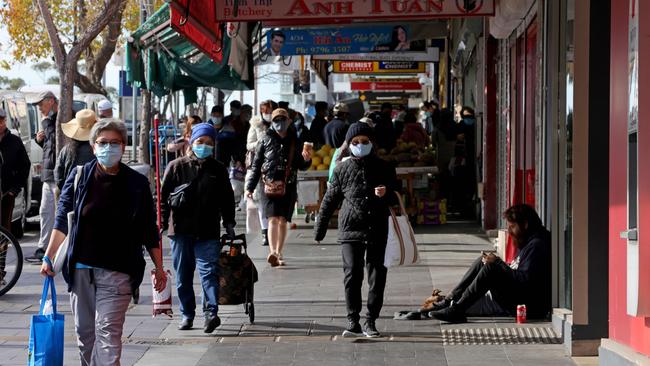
<point>134,120</point>
<point>255,103</point>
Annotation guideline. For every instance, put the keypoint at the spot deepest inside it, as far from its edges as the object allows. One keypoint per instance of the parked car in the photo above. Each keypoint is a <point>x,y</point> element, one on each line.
<point>18,123</point>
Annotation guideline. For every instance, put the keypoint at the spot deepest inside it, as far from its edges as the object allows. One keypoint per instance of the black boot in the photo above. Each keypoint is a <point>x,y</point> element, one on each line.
<point>265,236</point>
<point>451,314</point>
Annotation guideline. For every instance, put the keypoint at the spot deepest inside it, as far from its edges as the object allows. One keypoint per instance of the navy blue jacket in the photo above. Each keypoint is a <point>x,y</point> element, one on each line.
<point>143,230</point>
<point>334,132</point>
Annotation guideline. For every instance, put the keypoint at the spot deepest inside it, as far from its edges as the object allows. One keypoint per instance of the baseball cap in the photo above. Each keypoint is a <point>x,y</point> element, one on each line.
<point>44,95</point>
<point>280,113</point>
<point>105,105</point>
<point>341,108</point>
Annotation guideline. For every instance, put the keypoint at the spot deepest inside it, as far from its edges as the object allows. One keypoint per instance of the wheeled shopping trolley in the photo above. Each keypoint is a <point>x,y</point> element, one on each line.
<point>238,275</point>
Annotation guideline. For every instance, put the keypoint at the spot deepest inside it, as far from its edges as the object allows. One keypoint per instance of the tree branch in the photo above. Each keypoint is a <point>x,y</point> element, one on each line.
<point>87,85</point>
<point>53,34</point>
<point>108,46</point>
<point>107,14</point>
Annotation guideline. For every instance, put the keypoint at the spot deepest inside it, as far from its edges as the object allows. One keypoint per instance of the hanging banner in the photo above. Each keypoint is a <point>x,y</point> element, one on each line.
<point>331,12</point>
<point>341,40</point>
<point>432,54</point>
<point>378,67</point>
<point>397,85</point>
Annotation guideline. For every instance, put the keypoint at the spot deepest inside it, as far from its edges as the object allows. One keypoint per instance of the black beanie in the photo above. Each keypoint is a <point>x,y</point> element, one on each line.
<point>357,129</point>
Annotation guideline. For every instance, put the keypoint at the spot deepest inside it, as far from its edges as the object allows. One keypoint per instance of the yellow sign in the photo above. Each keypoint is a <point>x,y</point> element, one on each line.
<point>378,67</point>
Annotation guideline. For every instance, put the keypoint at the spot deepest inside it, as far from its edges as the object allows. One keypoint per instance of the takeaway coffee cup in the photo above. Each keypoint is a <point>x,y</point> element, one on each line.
<point>308,147</point>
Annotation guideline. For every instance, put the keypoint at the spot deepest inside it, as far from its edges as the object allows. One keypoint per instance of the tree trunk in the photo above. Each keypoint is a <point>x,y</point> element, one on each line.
<point>65,103</point>
<point>145,127</point>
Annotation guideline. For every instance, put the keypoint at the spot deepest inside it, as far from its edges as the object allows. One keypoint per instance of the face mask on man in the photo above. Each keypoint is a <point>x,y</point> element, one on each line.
<point>108,155</point>
<point>215,121</point>
<point>361,150</point>
<point>235,112</point>
<point>279,125</point>
<point>202,151</point>
<point>470,121</point>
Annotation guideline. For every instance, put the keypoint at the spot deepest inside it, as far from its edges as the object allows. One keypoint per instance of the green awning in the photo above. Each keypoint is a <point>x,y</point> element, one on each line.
<point>173,63</point>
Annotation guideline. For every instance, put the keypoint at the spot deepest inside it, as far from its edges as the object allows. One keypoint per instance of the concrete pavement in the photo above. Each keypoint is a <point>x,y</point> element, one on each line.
<point>301,314</point>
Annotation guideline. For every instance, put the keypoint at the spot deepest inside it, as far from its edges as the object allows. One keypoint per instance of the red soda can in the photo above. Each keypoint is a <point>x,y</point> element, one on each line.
<point>521,314</point>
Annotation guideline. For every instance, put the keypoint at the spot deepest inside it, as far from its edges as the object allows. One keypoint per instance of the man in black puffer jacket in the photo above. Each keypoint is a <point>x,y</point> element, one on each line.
<point>364,187</point>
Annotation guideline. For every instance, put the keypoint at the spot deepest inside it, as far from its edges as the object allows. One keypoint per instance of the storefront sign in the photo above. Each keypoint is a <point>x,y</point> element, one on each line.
<point>330,12</point>
<point>378,67</point>
<point>385,85</point>
<point>316,41</point>
<point>432,54</point>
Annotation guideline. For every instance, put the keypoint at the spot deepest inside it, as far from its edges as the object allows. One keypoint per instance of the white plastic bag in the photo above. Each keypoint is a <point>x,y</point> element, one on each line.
<point>308,192</point>
<point>162,301</point>
<point>401,248</point>
<point>237,188</point>
<point>253,225</point>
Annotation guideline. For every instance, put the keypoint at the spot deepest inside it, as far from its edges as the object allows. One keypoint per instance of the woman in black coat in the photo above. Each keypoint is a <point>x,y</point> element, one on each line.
<point>278,157</point>
<point>364,187</point>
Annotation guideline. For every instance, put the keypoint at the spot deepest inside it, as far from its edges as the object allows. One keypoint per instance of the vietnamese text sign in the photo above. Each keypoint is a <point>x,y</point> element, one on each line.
<point>385,85</point>
<point>378,67</point>
<point>317,41</point>
<point>432,54</point>
<point>329,12</point>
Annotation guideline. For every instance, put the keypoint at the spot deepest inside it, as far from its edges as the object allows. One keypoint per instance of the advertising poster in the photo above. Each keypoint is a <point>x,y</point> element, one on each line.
<point>291,42</point>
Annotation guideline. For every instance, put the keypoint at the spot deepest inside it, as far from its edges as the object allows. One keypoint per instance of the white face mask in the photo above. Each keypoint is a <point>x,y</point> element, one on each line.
<point>266,117</point>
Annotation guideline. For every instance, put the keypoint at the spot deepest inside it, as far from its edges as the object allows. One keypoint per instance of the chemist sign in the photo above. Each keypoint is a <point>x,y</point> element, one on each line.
<point>378,67</point>
<point>329,12</point>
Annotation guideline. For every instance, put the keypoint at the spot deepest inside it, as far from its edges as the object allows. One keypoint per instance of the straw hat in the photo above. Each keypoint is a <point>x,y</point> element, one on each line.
<point>79,128</point>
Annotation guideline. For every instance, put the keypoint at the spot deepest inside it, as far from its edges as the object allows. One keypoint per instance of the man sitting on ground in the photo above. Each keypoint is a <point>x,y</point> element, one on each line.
<point>493,288</point>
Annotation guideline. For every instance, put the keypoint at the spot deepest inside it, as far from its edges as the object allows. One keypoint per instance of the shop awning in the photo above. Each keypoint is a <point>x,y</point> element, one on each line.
<point>163,59</point>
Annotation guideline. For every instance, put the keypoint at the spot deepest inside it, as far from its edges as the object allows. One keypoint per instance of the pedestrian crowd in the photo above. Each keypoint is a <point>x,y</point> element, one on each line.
<point>104,210</point>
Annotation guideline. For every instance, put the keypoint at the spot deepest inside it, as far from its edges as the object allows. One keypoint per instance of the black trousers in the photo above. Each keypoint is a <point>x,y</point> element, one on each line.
<point>480,278</point>
<point>353,265</point>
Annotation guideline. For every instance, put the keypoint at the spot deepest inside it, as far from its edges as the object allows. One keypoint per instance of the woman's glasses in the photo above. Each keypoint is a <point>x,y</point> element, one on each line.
<point>112,143</point>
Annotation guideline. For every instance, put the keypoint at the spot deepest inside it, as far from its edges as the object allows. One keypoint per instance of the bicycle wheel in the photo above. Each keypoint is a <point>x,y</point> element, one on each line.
<point>11,261</point>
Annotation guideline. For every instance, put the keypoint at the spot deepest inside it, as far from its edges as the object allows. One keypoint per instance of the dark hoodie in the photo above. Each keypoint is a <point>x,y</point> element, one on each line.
<point>532,278</point>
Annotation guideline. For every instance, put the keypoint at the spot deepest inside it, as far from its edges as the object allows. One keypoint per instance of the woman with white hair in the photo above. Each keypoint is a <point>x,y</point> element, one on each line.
<point>113,219</point>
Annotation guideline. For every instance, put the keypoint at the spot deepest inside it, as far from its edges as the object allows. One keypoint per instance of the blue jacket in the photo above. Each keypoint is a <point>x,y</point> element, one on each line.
<point>142,232</point>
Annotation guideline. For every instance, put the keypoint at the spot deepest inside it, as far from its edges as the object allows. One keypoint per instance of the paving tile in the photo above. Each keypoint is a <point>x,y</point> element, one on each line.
<point>300,314</point>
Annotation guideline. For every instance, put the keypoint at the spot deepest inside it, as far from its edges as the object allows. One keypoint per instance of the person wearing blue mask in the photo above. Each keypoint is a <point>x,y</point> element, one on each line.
<point>278,157</point>
<point>193,223</point>
<point>114,219</point>
<point>364,187</point>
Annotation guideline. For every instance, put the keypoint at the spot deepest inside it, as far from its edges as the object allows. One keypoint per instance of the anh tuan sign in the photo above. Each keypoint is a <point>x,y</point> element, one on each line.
<point>378,67</point>
<point>329,12</point>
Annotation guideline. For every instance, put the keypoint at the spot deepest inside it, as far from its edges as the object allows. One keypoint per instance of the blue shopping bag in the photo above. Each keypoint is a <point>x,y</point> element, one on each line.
<point>46,332</point>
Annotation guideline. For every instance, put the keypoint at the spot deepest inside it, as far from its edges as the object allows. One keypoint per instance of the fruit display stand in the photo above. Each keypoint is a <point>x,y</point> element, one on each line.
<point>407,174</point>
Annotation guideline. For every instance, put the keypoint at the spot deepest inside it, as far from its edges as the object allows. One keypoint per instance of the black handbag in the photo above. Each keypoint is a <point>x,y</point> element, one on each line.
<point>182,196</point>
